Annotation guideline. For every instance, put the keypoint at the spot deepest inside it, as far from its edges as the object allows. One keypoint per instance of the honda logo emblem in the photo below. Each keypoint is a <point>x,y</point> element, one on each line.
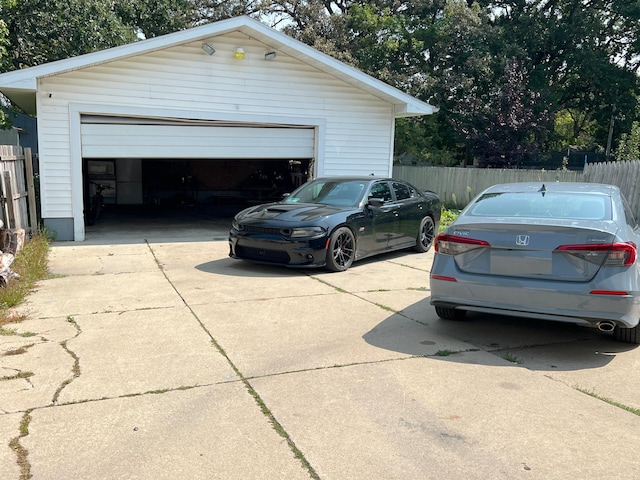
<point>522,240</point>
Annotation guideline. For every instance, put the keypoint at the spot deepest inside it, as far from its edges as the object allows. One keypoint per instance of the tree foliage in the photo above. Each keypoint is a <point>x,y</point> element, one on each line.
<point>629,146</point>
<point>42,31</point>
<point>513,79</point>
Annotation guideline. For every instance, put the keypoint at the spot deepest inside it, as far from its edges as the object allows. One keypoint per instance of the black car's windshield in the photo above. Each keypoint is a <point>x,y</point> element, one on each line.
<point>337,193</point>
<point>575,206</point>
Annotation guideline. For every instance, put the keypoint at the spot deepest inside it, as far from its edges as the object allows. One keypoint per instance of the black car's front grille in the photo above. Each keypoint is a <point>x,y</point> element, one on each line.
<point>260,230</point>
<point>262,255</point>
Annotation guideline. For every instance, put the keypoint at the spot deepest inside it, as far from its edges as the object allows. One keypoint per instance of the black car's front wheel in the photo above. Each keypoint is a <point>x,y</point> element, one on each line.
<point>341,250</point>
<point>426,234</point>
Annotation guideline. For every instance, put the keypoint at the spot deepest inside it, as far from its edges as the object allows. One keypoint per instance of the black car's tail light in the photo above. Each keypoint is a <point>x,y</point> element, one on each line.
<point>454,245</point>
<point>607,254</point>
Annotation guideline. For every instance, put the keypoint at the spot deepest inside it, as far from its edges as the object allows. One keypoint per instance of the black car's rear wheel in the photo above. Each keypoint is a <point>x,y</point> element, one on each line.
<point>342,250</point>
<point>450,313</point>
<point>627,335</point>
<point>426,234</point>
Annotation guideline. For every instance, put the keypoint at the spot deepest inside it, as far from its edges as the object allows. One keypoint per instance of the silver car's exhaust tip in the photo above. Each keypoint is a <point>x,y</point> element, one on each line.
<point>606,326</point>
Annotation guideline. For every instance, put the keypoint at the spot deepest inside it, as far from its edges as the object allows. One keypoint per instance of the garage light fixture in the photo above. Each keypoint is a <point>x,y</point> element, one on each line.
<point>239,52</point>
<point>269,55</point>
<point>208,49</point>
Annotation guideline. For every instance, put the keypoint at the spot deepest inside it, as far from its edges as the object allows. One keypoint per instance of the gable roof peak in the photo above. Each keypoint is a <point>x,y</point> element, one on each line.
<point>21,85</point>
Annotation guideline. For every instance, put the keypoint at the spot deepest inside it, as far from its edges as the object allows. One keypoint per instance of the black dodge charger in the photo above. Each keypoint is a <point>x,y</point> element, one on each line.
<point>332,222</point>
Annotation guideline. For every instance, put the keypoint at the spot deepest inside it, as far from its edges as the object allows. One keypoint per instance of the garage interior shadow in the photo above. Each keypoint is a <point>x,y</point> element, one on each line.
<point>187,199</point>
<point>133,224</point>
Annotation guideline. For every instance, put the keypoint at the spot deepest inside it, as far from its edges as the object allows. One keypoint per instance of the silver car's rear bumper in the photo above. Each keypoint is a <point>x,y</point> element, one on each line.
<point>572,303</point>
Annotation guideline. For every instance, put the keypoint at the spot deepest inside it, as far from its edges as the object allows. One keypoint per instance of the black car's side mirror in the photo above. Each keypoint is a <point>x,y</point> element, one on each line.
<point>375,202</point>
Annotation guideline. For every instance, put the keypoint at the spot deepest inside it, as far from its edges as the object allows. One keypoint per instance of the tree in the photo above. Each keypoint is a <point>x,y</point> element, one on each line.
<point>584,54</point>
<point>5,121</point>
<point>629,146</point>
<point>42,31</point>
<point>506,124</point>
<point>150,18</point>
<point>206,11</point>
<point>511,77</point>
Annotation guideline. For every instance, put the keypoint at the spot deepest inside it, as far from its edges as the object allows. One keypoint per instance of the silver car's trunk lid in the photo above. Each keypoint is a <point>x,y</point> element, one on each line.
<point>545,249</point>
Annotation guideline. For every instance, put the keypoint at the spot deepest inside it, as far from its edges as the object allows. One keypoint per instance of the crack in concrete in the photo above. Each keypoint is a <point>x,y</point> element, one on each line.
<point>277,426</point>
<point>22,453</point>
<point>76,361</point>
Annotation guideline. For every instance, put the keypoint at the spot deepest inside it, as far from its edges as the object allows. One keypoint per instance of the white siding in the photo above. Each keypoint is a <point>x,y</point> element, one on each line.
<point>356,138</point>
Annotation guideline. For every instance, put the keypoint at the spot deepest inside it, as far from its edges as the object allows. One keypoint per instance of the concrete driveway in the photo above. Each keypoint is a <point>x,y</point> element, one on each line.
<point>164,359</point>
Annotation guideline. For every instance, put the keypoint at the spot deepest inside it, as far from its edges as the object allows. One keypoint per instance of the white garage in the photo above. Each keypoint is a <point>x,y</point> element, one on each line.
<point>229,110</point>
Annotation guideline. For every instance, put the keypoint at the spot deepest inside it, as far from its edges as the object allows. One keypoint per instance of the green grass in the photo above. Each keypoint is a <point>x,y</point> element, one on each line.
<point>31,264</point>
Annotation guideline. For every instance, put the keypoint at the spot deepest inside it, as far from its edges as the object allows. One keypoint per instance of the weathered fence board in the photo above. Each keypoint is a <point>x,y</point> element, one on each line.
<point>457,186</point>
<point>18,192</point>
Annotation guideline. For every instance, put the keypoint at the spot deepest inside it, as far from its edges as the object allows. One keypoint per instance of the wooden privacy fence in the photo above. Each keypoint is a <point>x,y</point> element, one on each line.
<point>457,186</point>
<point>18,199</point>
<point>625,175</point>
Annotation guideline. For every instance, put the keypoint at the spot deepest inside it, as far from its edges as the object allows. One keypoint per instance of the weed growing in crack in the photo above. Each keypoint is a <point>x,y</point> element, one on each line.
<point>444,353</point>
<point>509,357</point>
<point>18,351</point>
<point>591,393</point>
<point>22,453</point>
<point>17,376</point>
<point>384,307</point>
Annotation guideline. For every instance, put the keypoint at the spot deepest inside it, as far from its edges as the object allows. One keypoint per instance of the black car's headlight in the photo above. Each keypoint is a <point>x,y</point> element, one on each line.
<point>235,225</point>
<point>307,232</point>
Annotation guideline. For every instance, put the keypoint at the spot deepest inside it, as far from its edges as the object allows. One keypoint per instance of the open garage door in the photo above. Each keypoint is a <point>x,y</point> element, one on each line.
<point>160,167</point>
<point>125,137</point>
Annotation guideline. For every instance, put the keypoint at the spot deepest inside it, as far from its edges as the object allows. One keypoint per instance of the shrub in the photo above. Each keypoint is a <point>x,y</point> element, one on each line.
<point>31,264</point>
<point>447,217</point>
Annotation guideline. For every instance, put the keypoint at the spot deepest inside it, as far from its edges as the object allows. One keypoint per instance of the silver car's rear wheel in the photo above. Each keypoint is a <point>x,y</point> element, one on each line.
<point>627,335</point>
<point>450,313</point>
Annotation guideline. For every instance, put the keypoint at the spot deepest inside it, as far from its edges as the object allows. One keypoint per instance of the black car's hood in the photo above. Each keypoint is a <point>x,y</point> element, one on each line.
<point>288,212</point>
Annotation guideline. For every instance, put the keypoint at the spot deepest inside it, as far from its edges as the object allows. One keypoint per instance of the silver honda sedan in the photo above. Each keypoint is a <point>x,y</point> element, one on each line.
<point>557,251</point>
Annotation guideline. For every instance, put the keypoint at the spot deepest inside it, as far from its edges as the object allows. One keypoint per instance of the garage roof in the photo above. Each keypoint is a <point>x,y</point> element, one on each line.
<point>20,85</point>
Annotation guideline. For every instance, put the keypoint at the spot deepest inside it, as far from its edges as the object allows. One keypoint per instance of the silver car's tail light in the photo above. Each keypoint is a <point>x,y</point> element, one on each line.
<point>613,255</point>
<point>618,293</point>
<point>454,245</point>
<point>444,278</point>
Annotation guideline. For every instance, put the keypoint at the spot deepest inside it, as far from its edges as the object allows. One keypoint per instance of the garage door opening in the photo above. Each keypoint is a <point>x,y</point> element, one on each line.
<point>193,189</point>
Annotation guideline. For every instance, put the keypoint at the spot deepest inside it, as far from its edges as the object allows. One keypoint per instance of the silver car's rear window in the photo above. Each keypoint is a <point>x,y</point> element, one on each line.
<point>576,206</point>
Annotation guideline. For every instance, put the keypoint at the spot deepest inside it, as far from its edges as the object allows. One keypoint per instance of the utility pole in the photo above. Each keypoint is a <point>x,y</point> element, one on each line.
<point>610,137</point>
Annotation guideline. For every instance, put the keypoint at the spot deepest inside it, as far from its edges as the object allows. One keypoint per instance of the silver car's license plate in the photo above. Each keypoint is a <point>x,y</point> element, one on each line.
<point>521,263</point>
